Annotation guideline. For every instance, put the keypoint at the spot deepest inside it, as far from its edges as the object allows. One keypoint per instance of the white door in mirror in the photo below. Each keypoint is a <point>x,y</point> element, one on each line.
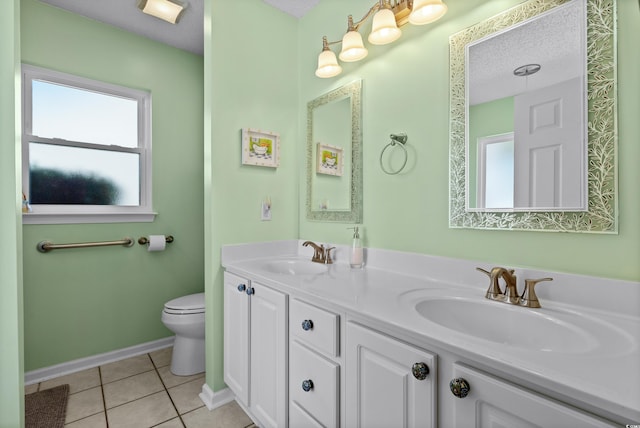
<point>550,147</point>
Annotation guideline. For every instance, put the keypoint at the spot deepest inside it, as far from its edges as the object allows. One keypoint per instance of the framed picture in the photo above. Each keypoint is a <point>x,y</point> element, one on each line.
<point>329,160</point>
<point>261,148</point>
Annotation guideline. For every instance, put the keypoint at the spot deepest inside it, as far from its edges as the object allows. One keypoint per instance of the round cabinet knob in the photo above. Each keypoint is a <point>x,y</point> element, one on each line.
<point>307,385</point>
<point>307,325</point>
<point>250,291</point>
<point>459,387</point>
<point>420,371</point>
<point>242,287</point>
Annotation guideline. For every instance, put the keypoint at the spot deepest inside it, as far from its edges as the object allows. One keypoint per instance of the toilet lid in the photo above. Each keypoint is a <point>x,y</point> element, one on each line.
<point>193,303</point>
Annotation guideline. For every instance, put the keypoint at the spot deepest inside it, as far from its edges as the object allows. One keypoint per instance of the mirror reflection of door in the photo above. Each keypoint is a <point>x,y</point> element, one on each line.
<point>542,166</point>
<point>545,109</point>
<point>549,150</point>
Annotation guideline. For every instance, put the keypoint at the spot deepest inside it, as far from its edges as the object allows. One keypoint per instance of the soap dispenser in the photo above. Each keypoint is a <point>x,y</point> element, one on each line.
<point>356,259</point>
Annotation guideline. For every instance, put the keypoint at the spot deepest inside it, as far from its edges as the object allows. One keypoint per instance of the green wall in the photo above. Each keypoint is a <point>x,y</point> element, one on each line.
<point>251,82</point>
<point>83,302</point>
<point>406,89</point>
<point>11,343</point>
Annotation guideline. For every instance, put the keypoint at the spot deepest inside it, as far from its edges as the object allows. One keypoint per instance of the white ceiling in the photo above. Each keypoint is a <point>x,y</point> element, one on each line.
<point>555,40</point>
<point>187,34</point>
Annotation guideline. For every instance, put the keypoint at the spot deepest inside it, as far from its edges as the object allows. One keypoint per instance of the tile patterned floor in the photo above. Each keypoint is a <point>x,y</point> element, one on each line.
<point>141,392</point>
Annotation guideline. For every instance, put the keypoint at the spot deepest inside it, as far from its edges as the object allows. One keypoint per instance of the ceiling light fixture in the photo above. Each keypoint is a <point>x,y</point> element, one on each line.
<point>527,70</point>
<point>164,9</point>
<point>387,19</point>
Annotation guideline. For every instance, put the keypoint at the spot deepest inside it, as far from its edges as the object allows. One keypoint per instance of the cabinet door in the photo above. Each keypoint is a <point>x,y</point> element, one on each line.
<point>381,389</point>
<point>236,336</point>
<point>269,380</point>
<point>492,403</point>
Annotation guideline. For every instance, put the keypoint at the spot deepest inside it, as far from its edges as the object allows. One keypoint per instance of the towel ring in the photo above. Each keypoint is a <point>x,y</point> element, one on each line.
<point>400,140</point>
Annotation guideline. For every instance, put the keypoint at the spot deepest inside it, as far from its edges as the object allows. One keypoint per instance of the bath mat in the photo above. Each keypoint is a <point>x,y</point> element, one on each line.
<point>46,409</point>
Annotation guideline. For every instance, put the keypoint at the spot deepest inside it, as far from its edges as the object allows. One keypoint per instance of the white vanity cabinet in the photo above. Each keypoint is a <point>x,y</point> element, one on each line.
<point>389,383</point>
<point>255,348</point>
<point>493,403</point>
<point>314,369</point>
<point>328,346</point>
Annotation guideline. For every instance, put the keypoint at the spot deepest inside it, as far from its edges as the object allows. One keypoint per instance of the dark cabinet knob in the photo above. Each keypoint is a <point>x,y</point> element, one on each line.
<point>242,287</point>
<point>307,385</point>
<point>250,291</point>
<point>459,387</point>
<point>420,371</point>
<point>307,325</point>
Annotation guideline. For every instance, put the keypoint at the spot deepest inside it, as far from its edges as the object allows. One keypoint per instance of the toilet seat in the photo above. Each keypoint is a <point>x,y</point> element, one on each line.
<point>186,305</point>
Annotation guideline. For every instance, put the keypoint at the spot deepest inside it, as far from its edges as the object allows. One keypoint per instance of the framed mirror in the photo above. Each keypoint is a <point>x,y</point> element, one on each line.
<point>334,155</point>
<point>533,119</point>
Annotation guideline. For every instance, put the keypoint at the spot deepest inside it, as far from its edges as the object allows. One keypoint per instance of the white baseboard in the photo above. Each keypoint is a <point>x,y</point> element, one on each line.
<point>215,399</point>
<point>80,364</point>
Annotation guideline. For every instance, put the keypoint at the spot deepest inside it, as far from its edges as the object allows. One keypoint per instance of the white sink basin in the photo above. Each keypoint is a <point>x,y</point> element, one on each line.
<point>530,329</point>
<point>294,267</point>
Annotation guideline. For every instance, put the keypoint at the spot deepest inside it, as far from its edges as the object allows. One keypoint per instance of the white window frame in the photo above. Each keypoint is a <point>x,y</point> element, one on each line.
<point>483,143</point>
<point>64,214</point>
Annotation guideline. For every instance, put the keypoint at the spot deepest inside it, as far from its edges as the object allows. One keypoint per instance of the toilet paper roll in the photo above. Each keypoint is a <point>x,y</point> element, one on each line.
<point>156,243</point>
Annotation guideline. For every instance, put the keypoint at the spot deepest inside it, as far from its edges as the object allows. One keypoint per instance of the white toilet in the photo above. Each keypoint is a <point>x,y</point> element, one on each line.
<point>185,317</point>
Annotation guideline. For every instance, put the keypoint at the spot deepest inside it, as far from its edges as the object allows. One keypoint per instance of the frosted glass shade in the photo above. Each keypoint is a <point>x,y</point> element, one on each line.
<point>328,64</point>
<point>352,47</point>
<point>384,29</point>
<point>427,11</point>
<point>163,9</point>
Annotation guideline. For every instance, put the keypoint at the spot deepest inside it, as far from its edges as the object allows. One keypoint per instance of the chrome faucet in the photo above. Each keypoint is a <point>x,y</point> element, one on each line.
<point>320,253</point>
<point>528,298</point>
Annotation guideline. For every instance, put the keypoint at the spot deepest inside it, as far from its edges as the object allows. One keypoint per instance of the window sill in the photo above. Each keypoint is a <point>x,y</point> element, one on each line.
<point>77,218</point>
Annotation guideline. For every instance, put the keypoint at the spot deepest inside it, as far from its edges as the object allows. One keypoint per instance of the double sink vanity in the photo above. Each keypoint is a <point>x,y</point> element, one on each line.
<point>412,340</point>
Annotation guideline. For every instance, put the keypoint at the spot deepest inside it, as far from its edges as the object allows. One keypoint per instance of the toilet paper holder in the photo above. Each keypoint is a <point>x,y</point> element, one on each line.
<point>143,240</point>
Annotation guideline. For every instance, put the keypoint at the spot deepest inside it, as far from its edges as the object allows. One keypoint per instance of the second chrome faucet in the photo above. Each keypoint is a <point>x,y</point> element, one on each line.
<point>528,298</point>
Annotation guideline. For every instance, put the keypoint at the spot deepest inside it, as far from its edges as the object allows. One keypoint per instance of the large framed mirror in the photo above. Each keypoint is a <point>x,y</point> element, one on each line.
<point>334,155</point>
<point>533,119</point>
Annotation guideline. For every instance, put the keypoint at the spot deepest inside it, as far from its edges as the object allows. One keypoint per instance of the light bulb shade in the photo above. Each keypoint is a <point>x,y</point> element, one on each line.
<point>352,47</point>
<point>328,64</point>
<point>163,9</point>
<point>384,29</point>
<point>427,11</point>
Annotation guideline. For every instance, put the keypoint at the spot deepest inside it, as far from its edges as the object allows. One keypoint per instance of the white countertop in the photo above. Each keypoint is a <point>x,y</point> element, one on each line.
<point>606,378</point>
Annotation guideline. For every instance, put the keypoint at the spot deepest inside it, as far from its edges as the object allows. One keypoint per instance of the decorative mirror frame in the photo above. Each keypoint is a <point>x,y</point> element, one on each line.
<point>353,91</point>
<point>601,216</point>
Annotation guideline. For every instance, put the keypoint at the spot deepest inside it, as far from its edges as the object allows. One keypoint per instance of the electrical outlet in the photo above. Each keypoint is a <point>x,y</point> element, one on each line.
<point>265,213</point>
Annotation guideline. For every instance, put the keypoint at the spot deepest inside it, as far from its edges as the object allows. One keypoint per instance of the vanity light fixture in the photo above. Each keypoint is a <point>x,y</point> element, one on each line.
<point>387,18</point>
<point>164,9</point>
<point>327,62</point>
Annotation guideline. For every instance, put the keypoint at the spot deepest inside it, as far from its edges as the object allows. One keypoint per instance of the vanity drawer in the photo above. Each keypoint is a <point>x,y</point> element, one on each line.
<point>299,418</point>
<point>315,327</point>
<point>313,385</point>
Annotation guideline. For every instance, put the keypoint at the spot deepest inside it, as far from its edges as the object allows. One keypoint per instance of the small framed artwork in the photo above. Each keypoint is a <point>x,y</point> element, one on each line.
<point>330,160</point>
<point>261,148</point>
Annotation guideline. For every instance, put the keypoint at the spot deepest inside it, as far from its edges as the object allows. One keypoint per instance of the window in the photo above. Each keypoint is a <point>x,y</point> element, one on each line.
<point>86,150</point>
<point>495,171</point>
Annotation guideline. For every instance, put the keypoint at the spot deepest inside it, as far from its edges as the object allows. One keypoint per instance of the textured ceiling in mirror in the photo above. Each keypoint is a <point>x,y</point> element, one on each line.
<point>354,215</point>
<point>602,175</point>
